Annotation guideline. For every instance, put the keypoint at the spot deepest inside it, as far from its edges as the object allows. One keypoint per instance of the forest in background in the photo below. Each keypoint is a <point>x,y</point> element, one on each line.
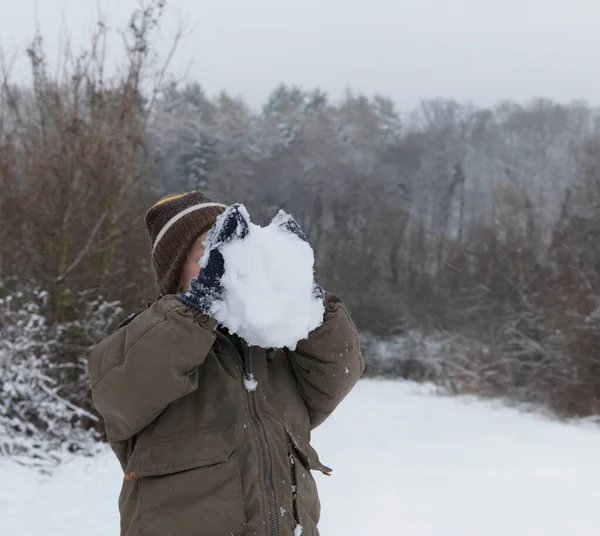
<point>471,234</point>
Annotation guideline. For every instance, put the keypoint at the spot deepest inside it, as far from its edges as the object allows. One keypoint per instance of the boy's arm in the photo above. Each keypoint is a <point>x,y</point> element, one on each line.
<point>140,369</point>
<point>329,363</point>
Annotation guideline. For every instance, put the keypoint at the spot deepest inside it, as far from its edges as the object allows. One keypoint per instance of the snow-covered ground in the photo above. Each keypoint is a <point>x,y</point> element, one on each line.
<point>405,463</point>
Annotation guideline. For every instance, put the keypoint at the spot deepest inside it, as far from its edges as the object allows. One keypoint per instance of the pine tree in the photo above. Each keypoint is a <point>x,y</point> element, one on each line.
<point>199,162</point>
<point>390,124</point>
<point>286,106</point>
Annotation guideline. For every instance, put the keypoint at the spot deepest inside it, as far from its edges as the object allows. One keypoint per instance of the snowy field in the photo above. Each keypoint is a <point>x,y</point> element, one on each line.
<point>405,463</point>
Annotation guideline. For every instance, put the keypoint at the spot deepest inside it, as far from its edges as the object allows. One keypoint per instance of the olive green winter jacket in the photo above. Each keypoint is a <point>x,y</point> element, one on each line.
<point>215,440</point>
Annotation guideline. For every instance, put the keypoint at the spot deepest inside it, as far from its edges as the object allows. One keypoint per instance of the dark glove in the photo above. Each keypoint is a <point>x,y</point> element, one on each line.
<point>207,288</point>
<point>286,222</point>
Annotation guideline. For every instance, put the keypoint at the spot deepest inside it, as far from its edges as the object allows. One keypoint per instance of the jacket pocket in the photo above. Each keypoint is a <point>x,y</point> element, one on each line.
<point>191,485</point>
<point>306,504</point>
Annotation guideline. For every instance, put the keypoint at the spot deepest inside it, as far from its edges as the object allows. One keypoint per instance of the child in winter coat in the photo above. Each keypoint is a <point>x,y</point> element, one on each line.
<point>204,453</point>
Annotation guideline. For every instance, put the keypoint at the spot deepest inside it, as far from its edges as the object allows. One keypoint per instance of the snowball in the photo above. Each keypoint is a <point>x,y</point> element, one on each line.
<point>268,283</point>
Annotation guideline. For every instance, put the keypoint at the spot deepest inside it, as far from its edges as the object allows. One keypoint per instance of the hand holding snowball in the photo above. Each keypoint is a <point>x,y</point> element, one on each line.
<point>258,282</point>
<point>206,287</point>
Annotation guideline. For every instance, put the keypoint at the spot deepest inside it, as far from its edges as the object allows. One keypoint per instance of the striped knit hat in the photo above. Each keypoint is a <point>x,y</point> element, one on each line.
<point>174,224</point>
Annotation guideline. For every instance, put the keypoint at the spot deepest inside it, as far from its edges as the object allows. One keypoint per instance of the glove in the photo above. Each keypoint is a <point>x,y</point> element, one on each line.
<point>207,288</point>
<point>286,222</point>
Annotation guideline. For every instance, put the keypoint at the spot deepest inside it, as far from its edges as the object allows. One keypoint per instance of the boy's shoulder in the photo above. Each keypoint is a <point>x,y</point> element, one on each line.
<point>153,310</point>
<point>129,319</point>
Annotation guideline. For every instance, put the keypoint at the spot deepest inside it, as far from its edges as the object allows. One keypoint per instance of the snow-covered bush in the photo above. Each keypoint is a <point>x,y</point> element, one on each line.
<point>411,356</point>
<point>525,363</point>
<point>442,357</point>
<point>45,406</point>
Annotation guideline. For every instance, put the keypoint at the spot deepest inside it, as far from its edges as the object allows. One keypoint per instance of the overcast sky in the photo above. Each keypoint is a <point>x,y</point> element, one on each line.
<point>478,50</point>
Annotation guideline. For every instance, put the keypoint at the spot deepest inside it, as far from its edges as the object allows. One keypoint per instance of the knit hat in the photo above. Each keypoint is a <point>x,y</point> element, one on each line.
<point>174,224</point>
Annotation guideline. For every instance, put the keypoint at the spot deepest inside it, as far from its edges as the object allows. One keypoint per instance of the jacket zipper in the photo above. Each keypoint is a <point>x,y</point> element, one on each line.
<point>236,354</point>
<point>265,447</point>
<point>243,365</point>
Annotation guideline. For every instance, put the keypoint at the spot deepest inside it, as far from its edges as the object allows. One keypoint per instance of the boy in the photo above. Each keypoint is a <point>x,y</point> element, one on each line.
<point>202,453</point>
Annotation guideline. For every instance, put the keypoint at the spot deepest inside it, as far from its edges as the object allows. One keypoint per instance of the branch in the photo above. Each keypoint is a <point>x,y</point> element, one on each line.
<point>80,411</point>
<point>83,252</point>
